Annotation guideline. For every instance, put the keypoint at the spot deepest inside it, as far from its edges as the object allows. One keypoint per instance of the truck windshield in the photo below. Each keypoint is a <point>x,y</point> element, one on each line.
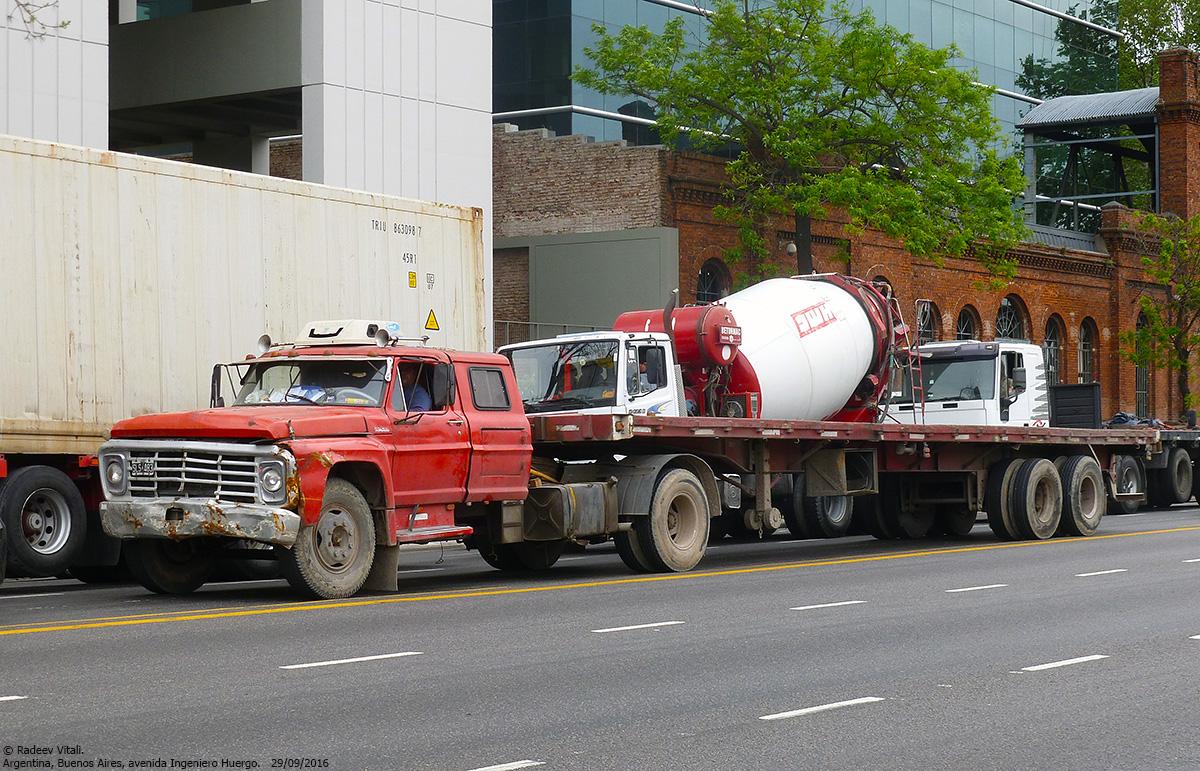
<point>951,380</point>
<point>567,375</point>
<point>355,382</point>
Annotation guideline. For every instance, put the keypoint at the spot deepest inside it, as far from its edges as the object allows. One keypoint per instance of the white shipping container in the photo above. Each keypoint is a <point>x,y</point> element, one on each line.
<point>126,278</point>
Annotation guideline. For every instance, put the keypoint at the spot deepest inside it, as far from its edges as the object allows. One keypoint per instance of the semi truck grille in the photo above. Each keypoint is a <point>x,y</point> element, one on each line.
<point>193,474</point>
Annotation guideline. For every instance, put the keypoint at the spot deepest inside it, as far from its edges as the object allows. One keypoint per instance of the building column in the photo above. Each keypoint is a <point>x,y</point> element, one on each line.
<point>1179,132</point>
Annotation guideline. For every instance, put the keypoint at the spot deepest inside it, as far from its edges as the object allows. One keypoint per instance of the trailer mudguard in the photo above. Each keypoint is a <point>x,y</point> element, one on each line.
<point>637,478</point>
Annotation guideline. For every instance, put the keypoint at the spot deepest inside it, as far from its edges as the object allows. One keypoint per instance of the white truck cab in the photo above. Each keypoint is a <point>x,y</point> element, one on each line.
<point>619,373</point>
<point>968,382</point>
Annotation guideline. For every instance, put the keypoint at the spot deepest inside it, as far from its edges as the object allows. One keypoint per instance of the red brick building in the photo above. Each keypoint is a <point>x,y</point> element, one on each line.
<point>1074,302</point>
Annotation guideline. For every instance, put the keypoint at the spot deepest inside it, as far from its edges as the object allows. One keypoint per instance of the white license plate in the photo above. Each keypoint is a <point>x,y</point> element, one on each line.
<point>141,467</point>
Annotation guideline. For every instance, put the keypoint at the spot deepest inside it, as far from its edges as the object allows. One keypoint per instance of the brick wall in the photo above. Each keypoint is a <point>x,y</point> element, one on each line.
<point>544,184</point>
<point>1179,131</point>
<point>287,159</point>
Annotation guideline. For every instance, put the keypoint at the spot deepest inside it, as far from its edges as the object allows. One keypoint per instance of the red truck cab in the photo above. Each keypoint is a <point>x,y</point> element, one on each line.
<point>315,450</point>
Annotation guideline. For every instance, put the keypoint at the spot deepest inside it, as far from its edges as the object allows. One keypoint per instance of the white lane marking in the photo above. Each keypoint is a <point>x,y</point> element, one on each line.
<point>830,605</point>
<point>351,661</point>
<point>821,708</point>
<point>420,570</point>
<point>1195,637</point>
<point>31,596</point>
<point>976,588</point>
<point>12,698</point>
<point>1195,560</point>
<point>1101,573</point>
<point>637,626</point>
<point>511,766</point>
<point>1067,662</point>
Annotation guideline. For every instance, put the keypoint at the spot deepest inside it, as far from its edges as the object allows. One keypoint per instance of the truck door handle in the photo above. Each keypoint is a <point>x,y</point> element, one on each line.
<point>454,422</point>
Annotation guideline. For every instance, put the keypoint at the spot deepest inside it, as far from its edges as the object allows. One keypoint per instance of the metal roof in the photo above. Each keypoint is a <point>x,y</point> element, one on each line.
<point>1113,107</point>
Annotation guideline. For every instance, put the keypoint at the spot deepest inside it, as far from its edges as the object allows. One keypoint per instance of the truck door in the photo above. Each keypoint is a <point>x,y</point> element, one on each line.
<point>431,449</point>
<point>500,434</point>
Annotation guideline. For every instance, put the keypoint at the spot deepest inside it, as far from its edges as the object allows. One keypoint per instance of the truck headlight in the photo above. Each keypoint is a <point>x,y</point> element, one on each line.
<point>114,474</point>
<point>272,481</point>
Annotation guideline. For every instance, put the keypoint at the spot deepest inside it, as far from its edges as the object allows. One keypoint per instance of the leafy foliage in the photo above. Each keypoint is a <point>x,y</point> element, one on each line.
<point>1087,59</point>
<point>1171,247</point>
<point>827,109</point>
<point>32,15</point>
<point>1151,26</point>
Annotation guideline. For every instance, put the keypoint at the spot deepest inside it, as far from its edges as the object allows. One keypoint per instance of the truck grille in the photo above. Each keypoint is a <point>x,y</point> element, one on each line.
<point>180,473</point>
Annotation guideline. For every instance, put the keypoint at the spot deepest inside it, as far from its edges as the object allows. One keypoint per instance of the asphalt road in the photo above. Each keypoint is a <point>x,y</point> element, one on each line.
<point>936,654</point>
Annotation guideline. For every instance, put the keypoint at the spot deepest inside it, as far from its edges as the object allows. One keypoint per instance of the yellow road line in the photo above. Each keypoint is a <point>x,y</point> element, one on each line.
<point>200,615</point>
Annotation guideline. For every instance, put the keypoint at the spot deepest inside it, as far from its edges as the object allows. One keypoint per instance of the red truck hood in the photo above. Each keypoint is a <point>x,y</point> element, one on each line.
<point>248,423</point>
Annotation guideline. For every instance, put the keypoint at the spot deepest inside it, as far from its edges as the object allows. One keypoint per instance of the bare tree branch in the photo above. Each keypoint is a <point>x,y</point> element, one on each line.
<point>31,15</point>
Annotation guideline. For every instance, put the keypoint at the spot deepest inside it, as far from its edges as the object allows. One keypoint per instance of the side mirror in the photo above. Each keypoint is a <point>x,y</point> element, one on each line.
<point>215,399</point>
<point>1018,377</point>
<point>442,385</point>
<point>655,366</point>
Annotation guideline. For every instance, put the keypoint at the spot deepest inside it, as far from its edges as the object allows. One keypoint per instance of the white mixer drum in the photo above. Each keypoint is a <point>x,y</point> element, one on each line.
<point>809,342</point>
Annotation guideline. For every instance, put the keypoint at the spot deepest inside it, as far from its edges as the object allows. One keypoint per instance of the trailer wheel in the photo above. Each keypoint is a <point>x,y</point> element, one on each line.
<point>1130,477</point>
<point>500,556</point>
<point>996,500</point>
<point>1083,496</point>
<point>44,515</point>
<point>169,567</point>
<point>1174,482</point>
<point>332,557</point>
<point>793,513</point>
<point>631,552</point>
<point>954,519</point>
<point>827,516</point>
<point>675,534</point>
<point>1037,498</point>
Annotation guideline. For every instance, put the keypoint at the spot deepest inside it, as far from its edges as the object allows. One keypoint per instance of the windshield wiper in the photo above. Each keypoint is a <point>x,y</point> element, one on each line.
<point>565,402</point>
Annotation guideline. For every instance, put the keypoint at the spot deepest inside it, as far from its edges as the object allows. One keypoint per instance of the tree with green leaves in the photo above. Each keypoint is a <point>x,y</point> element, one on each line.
<point>1171,258</point>
<point>1151,26</point>
<point>827,109</point>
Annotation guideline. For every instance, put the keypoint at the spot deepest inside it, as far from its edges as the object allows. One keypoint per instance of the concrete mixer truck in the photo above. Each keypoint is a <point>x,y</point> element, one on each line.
<point>807,348</point>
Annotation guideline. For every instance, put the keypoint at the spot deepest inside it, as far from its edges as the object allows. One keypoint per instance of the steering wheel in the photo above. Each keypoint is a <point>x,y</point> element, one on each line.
<point>969,392</point>
<point>345,394</point>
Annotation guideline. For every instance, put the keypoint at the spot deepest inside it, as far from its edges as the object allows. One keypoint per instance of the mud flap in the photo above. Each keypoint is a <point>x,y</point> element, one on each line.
<point>383,576</point>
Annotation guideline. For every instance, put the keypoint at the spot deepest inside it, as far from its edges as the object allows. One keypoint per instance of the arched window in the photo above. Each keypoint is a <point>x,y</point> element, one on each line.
<point>967,326</point>
<point>1010,319</point>
<point>1052,349</point>
<point>1089,339</point>
<point>1141,386</point>
<point>929,322</point>
<point>713,283</point>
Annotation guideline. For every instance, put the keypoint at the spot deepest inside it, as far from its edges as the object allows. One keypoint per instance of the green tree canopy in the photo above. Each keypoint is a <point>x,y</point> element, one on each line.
<point>1171,247</point>
<point>1151,26</point>
<point>827,109</point>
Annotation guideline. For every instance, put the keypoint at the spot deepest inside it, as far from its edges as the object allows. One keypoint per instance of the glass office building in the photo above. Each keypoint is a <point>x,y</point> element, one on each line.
<point>1007,42</point>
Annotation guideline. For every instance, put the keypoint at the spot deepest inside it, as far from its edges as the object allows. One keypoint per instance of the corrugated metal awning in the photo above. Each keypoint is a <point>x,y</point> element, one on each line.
<point>1113,107</point>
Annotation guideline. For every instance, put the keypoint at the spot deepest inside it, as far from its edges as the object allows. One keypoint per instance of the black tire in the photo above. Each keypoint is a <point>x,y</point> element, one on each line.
<point>170,567</point>
<point>1130,476</point>
<point>501,556</point>
<point>793,513</point>
<point>996,499</point>
<point>631,552</point>
<point>1037,497</point>
<point>44,515</point>
<point>332,557</point>
<point>827,516</point>
<point>871,509</point>
<point>1083,496</point>
<point>1174,483</point>
<point>538,555</point>
<point>954,520</point>
<point>675,535</point>
<point>3,551</point>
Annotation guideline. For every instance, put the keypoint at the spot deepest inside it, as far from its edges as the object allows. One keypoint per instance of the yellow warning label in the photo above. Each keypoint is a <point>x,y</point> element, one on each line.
<point>431,322</point>
<point>412,279</point>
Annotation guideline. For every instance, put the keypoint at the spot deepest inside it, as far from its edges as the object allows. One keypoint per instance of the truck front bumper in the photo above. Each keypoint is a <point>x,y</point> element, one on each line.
<point>188,518</point>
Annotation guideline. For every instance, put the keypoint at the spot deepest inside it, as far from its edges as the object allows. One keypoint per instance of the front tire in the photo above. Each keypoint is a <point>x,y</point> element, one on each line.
<point>45,521</point>
<point>332,557</point>
<point>675,534</point>
<point>169,567</point>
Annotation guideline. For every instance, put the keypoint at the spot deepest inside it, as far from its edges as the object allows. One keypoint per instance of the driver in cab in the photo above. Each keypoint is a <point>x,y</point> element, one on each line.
<point>416,398</point>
